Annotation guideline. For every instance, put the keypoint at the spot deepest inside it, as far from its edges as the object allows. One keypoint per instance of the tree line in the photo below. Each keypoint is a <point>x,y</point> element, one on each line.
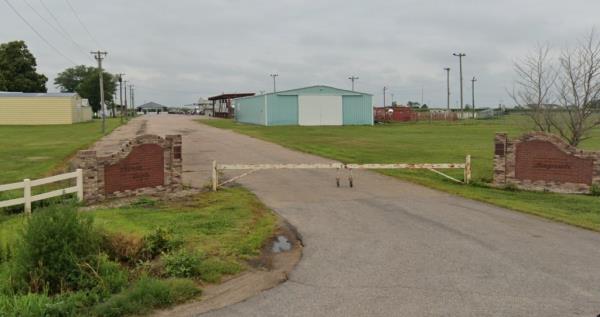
<point>18,73</point>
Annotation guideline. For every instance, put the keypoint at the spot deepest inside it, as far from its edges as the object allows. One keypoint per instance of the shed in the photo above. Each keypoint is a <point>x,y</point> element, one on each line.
<point>17,108</point>
<point>151,107</point>
<point>308,106</point>
<point>222,105</point>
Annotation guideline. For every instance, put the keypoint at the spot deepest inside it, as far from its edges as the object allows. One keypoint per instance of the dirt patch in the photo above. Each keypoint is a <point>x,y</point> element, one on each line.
<point>267,271</point>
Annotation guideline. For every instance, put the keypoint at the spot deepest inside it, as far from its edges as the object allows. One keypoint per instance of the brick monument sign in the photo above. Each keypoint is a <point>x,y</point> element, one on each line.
<point>541,161</point>
<point>146,165</point>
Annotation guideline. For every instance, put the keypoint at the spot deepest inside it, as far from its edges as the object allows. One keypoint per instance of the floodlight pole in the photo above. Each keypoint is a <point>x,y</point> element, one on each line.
<point>274,81</point>
<point>473,94</point>
<point>447,69</point>
<point>460,56</point>
<point>353,78</point>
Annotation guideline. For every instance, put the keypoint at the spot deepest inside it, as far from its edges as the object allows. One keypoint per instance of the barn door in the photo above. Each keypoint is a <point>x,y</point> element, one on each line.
<point>320,110</point>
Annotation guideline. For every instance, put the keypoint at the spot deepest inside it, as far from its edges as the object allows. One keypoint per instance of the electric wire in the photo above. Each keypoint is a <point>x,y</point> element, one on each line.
<point>38,33</point>
<point>81,22</point>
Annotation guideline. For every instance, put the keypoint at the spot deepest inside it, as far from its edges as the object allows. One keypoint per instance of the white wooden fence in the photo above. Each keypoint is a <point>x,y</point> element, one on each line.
<point>434,167</point>
<point>27,184</point>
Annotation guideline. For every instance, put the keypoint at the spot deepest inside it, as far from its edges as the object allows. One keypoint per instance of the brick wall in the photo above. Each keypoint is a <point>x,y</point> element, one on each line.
<point>541,161</point>
<point>145,165</point>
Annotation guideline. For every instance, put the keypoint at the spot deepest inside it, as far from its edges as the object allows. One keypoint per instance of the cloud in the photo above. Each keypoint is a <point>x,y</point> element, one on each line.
<point>177,51</point>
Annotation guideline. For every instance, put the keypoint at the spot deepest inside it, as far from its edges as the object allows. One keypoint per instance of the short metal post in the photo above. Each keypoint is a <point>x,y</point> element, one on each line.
<point>27,195</point>
<point>215,177</point>
<point>350,179</point>
<point>468,169</point>
<point>337,177</point>
<point>80,184</point>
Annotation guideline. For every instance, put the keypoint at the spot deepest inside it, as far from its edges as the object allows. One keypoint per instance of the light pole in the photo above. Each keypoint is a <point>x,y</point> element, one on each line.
<point>120,77</point>
<point>384,89</point>
<point>274,81</point>
<point>99,56</point>
<point>353,78</point>
<point>473,94</point>
<point>460,56</point>
<point>447,69</point>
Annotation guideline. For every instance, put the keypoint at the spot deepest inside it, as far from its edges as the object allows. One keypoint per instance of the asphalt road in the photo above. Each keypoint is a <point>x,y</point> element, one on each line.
<point>391,248</point>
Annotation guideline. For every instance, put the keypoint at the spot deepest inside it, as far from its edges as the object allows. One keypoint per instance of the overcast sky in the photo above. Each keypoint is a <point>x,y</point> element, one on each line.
<point>177,51</point>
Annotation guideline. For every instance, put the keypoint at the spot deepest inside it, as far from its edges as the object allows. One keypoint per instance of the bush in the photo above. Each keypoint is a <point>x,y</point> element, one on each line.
<point>54,244</point>
<point>595,190</point>
<point>132,249</point>
<point>157,242</point>
<point>182,264</point>
<point>104,276</point>
<point>147,294</point>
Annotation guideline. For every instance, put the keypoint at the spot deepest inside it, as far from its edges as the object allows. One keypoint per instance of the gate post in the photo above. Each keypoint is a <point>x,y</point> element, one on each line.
<point>215,180</point>
<point>468,169</point>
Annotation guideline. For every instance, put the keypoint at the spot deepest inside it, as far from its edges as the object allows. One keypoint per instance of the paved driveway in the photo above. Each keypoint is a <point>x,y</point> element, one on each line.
<point>391,248</point>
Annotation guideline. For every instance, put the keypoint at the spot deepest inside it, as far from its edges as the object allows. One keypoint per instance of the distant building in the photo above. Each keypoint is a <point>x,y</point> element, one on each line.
<point>314,105</point>
<point>18,108</point>
<point>151,107</point>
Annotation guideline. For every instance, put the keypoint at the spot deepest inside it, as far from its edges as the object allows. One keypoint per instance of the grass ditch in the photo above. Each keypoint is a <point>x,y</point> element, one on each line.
<point>128,260</point>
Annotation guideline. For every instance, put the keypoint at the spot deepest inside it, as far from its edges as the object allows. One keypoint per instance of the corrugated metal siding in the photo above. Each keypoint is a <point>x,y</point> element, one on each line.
<point>357,110</point>
<point>250,110</point>
<point>282,110</point>
<point>36,110</point>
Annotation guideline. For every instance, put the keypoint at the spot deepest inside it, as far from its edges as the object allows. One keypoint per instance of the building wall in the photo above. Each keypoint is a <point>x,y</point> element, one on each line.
<point>282,110</point>
<point>36,110</point>
<point>250,110</point>
<point>357,110</point>
<point>282,107</point>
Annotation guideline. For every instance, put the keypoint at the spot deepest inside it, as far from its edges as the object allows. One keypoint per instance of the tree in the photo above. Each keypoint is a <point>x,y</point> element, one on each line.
<point>413,104</point>
<point>18,69</point>
<point>85,81</point>
<point>561,95</point>
<point>90,89</point>
<point>70,79</point>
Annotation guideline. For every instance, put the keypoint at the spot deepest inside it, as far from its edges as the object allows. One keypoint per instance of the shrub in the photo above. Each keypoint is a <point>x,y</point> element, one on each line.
<point>147,294</point>
<point>103,276</point>
<point>123,247</point>
<point>157,242</point>
<point>182,264</point>
<point>53,245</point>
<point>595,190</point>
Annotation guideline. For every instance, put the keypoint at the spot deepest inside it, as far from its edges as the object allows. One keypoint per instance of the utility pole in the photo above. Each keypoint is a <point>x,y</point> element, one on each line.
<point>353,78</point>
<point>392,98</point>
<point>274,81</point>
<point>126,107</point>
<point>99,56</point>
<point>447,69</point>
<point>473,94</point>
<point>131,94</point>
<point>422,96</point>
<point>384,89</point>
<point>120,77</point>
<point>460,56</point>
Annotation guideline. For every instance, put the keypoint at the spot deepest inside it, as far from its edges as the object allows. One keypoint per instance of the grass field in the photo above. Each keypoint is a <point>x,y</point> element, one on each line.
<point>36,151</point>
<point>221,230</point>
<point>437,142</point>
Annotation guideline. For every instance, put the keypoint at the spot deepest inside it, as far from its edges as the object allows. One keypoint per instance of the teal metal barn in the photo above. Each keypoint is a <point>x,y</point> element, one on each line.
<point>314,105</point>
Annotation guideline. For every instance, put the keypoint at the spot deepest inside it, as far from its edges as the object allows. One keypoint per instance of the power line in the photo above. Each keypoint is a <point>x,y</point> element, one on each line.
<point>82,24</point>
<point>38,33</point>
<point>65,36</point>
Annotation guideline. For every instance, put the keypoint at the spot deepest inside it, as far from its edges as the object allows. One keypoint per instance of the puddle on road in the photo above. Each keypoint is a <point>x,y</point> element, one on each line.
<point>282,244</point>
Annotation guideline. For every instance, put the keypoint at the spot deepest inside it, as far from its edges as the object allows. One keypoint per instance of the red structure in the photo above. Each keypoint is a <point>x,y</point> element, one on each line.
<point>222,106</point>
<point>406,114</point>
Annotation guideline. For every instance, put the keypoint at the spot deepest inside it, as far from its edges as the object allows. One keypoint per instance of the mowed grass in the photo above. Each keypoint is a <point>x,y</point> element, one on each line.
<point>227,227</point>
<point>437,142</point>
<point>37,151</point>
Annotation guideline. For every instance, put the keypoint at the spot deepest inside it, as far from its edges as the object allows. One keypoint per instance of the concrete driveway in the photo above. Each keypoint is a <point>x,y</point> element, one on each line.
<point>391,248</point>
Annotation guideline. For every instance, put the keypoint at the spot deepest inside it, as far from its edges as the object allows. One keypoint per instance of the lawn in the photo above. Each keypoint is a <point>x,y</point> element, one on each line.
<point>212,234</point>
<point>36,151</point>
<point>437,142</point>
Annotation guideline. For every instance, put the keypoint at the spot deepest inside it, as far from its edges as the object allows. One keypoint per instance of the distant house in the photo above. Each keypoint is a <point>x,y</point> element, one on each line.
<point>17,108</point>
<point>151,107</point>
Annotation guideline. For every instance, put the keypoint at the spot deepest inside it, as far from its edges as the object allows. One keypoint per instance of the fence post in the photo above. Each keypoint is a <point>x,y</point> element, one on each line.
<point>468,169</point>
<point>215,180</point>
<point>27,194</point>
<point>79,184</point>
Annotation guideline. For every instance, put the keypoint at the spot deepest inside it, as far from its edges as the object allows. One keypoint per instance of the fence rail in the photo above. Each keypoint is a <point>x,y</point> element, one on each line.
<point>27,184</point>
<point>466,166</point>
